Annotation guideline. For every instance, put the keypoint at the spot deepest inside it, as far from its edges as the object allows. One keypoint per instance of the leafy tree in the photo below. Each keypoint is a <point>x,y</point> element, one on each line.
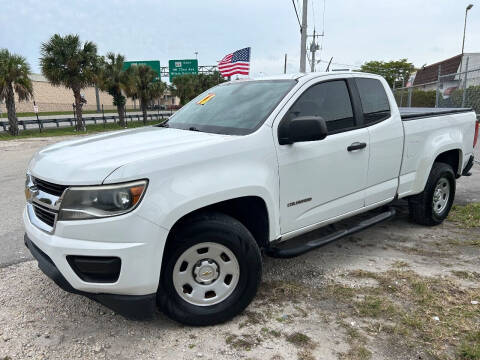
<point>113,79</point>
<point>14,71</point>
<point>143,85</point>
<point>66,62</point>
<point>392,71</point>
<point>187,87</point>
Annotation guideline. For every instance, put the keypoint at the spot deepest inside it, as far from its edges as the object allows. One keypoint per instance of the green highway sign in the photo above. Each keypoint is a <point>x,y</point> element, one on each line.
<point>153,64</point>
<point>182,67</point>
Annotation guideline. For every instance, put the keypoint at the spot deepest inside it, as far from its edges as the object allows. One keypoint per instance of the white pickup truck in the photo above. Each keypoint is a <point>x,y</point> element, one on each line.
<point>175,216</point>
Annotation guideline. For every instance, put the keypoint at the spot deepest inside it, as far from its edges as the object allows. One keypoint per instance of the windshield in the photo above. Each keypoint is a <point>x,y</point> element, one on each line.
<point>234,108</point>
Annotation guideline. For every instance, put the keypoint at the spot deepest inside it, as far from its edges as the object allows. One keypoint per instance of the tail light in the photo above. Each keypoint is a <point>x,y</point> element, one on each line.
<point>475,138</point>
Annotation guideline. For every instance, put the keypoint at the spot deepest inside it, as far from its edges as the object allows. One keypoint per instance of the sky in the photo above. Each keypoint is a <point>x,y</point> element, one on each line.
<point>423,31</point>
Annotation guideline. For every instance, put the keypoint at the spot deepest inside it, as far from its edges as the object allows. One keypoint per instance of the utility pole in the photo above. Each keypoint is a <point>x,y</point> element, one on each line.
<point>303,38</point>
<point>285,65</point>
<point>313,48</point>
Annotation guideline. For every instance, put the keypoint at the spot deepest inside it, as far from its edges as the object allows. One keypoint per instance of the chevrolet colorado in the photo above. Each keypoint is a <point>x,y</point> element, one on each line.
<point>176,215</point>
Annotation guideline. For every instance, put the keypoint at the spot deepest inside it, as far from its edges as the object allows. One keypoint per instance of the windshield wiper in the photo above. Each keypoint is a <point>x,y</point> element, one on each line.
<point>193,128</point>
<point>164,124</point>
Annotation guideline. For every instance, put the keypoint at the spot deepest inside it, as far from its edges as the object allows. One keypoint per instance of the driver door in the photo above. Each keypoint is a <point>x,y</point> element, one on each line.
<point>322,180</point>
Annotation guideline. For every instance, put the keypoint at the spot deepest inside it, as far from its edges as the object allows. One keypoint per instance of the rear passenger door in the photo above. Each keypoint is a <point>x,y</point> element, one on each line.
<point>320,180</point>
<point>382,119</point>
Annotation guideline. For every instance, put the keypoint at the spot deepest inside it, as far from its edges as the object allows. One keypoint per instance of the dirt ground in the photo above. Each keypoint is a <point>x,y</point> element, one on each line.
<point>395,291</point>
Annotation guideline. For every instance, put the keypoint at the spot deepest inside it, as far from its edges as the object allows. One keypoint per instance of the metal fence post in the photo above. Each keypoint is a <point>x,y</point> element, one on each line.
<point>103,117</point>
<point>437,96</point>
<point>409,99</point>
<point>465,84</point>
<point>40,125</point>
<point>401,93</point>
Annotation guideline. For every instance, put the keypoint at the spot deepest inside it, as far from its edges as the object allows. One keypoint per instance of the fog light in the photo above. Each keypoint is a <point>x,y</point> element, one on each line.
<point>97,269</point>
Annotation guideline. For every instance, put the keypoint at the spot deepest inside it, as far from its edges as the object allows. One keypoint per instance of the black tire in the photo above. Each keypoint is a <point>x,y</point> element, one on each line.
<point>421,205</point>
<point>229,232</point>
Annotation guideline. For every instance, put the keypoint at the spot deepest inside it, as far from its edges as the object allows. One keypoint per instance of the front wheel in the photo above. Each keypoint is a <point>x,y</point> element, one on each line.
<point>211,272</point>
<point>432,206</point>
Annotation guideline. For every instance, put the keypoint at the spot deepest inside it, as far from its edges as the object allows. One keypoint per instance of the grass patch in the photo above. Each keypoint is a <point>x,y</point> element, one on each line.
<point>433,314</point>
<point>279,292</point>
<point>467,216</point>
<point>400,264</point>
<point>374,307</point>
<point>243,342</point>
<point>266,331</point>
<point>462,274</point>
<point>253,318</point>
<point>300,340</point>
<point>470,348</point>
<point>305,354</point>
<point>465,242</point>
<point>70,130</point>
<point>357,352</point>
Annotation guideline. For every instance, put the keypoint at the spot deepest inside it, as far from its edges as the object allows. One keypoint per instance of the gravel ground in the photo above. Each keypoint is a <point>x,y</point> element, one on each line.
<point>310,307</point>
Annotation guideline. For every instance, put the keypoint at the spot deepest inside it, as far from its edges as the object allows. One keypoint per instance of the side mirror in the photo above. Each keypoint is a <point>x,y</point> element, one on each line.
<point>304,128</point>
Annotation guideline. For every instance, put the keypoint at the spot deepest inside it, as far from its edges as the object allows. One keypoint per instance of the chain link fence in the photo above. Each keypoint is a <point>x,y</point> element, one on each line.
<point>457,90</point>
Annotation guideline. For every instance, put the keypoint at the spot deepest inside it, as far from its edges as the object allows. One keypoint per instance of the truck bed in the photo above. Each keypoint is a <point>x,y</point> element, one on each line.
<point>418,113</point>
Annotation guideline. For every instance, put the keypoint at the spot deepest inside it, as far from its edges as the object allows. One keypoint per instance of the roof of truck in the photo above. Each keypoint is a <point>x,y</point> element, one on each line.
<point>303,76</point>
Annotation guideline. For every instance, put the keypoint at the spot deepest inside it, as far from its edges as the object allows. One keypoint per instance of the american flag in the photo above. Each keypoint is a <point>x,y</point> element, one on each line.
<point>237,62</point>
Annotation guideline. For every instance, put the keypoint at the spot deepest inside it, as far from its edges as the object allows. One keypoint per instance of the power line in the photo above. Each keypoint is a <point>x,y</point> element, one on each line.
<point>296,13</point>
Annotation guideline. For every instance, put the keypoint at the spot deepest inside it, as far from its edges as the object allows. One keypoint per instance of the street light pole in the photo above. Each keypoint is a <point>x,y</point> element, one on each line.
<point>465,26</point>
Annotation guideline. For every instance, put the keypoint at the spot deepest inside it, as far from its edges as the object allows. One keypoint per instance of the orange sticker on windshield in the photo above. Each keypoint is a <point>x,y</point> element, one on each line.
<point>206,99</point>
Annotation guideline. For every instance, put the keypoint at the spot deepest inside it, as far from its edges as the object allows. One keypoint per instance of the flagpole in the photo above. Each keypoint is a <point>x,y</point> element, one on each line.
<point>250,67</point>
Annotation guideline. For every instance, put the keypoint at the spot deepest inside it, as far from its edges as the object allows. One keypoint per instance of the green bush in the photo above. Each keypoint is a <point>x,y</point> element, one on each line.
<point>420,98</point>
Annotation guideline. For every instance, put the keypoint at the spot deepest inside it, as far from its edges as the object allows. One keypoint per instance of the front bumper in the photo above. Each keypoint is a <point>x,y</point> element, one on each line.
<point>137,242</point>
<point>131,306</point>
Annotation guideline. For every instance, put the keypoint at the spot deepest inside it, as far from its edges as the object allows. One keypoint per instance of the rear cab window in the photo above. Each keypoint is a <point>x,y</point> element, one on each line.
<point>374,100</point>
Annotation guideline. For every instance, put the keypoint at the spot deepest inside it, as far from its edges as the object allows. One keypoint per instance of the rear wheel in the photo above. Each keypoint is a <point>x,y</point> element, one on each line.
<point>432,206</point>
<point>211,271</point>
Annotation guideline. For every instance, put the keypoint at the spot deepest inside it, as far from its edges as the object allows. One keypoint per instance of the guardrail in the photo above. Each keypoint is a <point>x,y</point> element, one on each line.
<point>71,120</point>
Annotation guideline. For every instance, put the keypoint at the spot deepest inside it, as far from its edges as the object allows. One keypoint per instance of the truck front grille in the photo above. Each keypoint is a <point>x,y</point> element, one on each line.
<point>47,216</point>
<point>49,187</point>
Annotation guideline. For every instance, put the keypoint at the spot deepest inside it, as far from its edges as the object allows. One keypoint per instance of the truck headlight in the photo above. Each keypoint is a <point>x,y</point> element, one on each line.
<point>93,202</point>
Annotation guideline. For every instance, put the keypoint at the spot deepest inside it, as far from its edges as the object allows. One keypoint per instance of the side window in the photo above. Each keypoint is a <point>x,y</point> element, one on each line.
<point>330,100</point>
<point>374,100</point>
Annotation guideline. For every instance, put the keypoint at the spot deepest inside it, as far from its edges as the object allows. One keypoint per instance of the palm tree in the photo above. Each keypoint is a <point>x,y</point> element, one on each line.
<point>114,80</point>
<point>14,71</point>
<point>65,62</point>
<point>143,85</point>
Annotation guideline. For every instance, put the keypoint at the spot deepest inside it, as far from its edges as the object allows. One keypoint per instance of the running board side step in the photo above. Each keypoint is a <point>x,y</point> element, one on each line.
<point>314,244</point>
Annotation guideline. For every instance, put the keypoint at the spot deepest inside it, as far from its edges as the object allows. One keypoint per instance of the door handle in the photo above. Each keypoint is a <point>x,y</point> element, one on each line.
<point>357,146</point>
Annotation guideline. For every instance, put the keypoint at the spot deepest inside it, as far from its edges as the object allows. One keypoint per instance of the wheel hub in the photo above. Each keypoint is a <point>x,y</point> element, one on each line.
<point>441,196</point>
<point>206,274</point>
<point>206,271</point>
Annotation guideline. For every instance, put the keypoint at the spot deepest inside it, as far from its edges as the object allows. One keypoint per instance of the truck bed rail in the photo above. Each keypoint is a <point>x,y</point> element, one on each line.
<point>408,114</point>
